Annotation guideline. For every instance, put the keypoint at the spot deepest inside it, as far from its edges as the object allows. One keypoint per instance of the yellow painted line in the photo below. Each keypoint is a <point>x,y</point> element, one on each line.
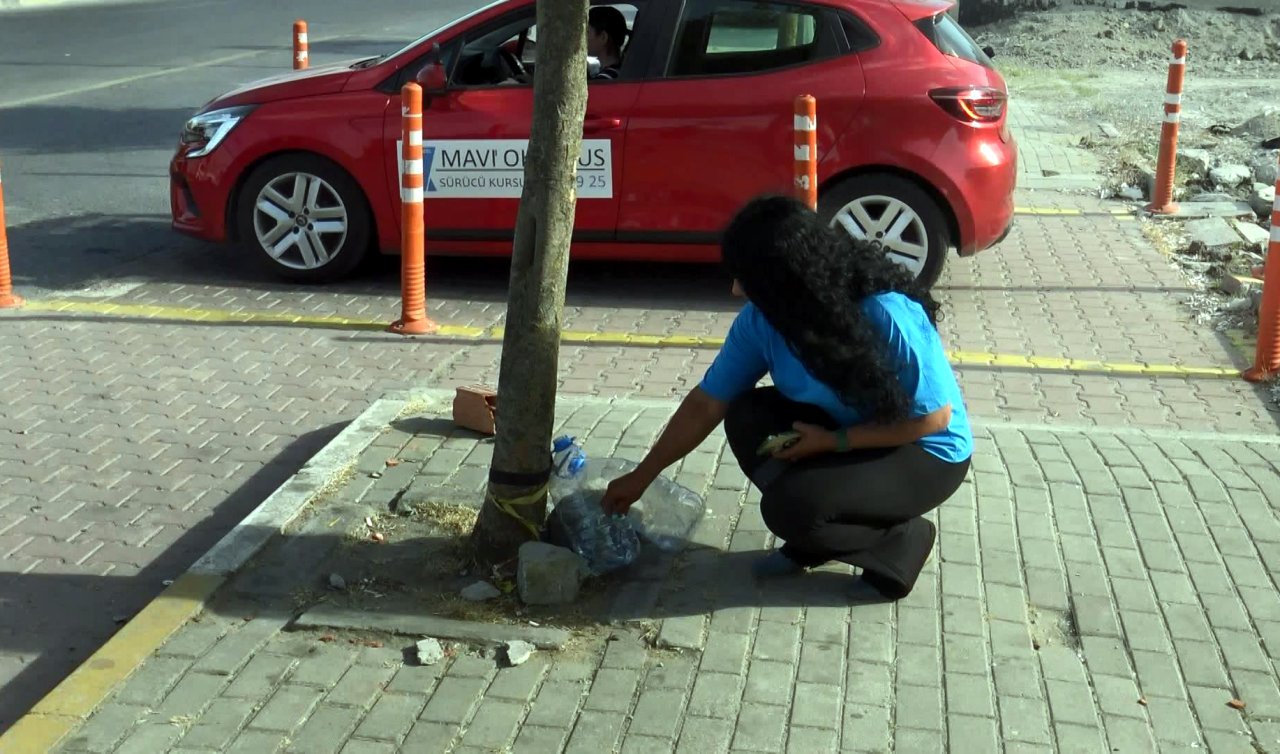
<point>1119,214</point>
<point>1051,363</point>
<point>612,338</point>
<point>65,708</point>
<point>192,314</point>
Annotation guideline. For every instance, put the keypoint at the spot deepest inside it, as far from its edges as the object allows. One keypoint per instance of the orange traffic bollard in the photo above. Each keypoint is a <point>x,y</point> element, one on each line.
<point>8,299</point>
<point>413,266</point>
<point>301,56</point>
<point>806,150</point>
<point>1266,363</point>
<point>1162,202</point>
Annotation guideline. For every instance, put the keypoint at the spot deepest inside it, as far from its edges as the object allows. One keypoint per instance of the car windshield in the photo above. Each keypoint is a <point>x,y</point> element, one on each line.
<point>442,29</point>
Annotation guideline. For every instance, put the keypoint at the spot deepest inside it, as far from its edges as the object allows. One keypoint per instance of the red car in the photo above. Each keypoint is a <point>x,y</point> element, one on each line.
<point>915,150</point>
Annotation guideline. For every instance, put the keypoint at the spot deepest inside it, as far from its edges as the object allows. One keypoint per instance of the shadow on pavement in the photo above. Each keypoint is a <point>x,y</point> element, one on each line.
<point>55,620</point>
<point>84,252</point>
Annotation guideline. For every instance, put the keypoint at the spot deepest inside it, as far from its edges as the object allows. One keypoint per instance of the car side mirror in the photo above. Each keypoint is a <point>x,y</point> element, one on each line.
<point>989,51</point>
<point>432,78</point>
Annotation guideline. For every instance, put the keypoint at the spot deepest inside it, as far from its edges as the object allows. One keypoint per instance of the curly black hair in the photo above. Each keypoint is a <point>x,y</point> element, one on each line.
<point>809,281</point>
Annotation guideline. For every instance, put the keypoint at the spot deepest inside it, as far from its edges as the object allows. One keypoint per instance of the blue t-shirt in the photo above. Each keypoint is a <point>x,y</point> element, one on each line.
<point>753,348</point>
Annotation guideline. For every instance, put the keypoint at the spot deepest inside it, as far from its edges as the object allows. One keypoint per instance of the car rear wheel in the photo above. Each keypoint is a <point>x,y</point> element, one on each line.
<point>305,218</point>
<point>894,214</point>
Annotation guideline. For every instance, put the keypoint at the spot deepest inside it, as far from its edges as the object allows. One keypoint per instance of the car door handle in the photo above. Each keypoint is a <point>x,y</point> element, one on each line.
<point>591,125</point>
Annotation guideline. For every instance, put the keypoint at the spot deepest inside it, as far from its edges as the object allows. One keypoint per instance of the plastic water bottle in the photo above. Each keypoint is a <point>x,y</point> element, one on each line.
<point>568,466</point>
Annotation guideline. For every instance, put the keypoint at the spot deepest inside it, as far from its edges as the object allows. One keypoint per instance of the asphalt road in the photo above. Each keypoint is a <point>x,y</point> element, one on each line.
<point>92,99</point>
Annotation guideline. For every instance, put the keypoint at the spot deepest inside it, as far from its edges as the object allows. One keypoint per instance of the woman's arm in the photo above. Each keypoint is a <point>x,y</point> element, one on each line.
<point>815,439</point>
<point>898,433</point>
<point>692,422</point>
<point>698,415</point>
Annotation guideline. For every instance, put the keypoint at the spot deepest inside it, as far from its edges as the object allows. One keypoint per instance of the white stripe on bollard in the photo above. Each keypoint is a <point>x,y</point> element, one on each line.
<point>802,152</point>
<point>1172,118</point>
<point>1173,99</point>
<point>415,138</point>
<point>805,124</point>
<point>413,167</point>
<point>411,195</point>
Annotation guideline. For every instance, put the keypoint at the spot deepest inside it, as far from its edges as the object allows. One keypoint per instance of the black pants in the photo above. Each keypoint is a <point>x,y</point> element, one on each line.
<point>862,507</point>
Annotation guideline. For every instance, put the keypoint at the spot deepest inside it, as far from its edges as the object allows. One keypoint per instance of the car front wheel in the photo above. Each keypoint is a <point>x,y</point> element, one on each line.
<point>895,215</point>
<point>305,218</point>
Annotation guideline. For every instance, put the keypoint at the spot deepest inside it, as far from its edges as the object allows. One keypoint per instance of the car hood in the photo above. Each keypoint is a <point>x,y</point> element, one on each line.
<point>323,79</point>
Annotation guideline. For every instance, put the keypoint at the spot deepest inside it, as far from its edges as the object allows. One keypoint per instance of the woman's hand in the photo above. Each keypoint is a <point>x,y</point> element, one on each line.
<point>814,440</point>
<point>624,491</point>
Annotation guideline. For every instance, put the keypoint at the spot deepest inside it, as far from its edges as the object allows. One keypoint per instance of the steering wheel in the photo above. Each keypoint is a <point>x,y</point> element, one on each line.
<point>511,65</point>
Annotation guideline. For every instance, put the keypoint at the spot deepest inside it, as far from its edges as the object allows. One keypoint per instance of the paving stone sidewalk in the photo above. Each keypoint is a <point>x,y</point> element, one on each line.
<point>1092,590</point>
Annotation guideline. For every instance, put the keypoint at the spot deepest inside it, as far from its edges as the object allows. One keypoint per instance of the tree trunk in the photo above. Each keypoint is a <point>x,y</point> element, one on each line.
<point>527,377</point>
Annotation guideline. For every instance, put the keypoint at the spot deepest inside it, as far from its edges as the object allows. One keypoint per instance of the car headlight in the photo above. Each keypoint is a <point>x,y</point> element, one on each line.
<point>204,132</point>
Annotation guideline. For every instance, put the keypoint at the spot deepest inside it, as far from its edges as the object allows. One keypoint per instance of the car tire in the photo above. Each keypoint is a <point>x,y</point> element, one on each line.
<point>304,218</point>
<point>917,232</point>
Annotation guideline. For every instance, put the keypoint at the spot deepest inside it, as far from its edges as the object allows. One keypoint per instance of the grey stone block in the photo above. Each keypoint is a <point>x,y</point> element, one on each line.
<point>360,686</point>
<point>777,641</point>
<point>971,734</point>
<point>152,681</point>
<point>287,709</point>
<point>325,730</point>
<point>869,685</point>
<point>324,667</point>
<point>658,713</point>
<point>534,739</point>
<point>453,700</point>
<point>391,717</point>
<point>1200,663</point>
<point>151,737</point>
<point>1023,719</point>
<point>821,663</point>
<point>595,732</point>
<point>556,704</point>
<point>970,695</point>
<point>1078,739</point>
<point>260,676</point>
<point>1018,677</point>
<point>769,682</point>
<point>866,728</point>
<point>613,690</point>
<point>815,705</point>
<point>191,696</point>
<point>716,695</point>
<point>494,726</point>
<point>919,707</point>
<point>218,725</point>
<point>810,740</point>
<point>549,575</point>
<point>516,684</point>
<point>919,665</point>
<point>724,653</point>
<point>105,728</point>
<point>702,735</point>
<point>760,728</point>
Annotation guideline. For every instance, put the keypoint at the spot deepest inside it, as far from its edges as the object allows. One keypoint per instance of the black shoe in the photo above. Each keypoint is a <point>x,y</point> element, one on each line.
<point>912,548</point>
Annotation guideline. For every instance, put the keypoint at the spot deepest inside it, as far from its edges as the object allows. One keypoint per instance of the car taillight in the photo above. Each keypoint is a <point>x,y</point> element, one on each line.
<point>974,104</point>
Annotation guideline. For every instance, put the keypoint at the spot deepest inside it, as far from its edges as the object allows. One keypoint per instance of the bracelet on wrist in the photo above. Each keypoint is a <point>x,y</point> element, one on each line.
<point>842,440</point>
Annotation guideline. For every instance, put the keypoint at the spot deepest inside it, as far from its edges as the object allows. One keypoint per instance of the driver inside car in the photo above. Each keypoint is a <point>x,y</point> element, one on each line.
<point>606,36</point>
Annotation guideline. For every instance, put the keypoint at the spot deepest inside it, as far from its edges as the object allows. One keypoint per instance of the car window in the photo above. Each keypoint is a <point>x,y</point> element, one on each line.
<point>722,37</point>
<point>951,39</point>
<point>629,12</point>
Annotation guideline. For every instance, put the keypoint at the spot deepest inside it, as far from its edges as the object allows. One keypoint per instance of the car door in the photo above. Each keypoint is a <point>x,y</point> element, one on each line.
<point>720,117</point>
<point>476,132</point>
